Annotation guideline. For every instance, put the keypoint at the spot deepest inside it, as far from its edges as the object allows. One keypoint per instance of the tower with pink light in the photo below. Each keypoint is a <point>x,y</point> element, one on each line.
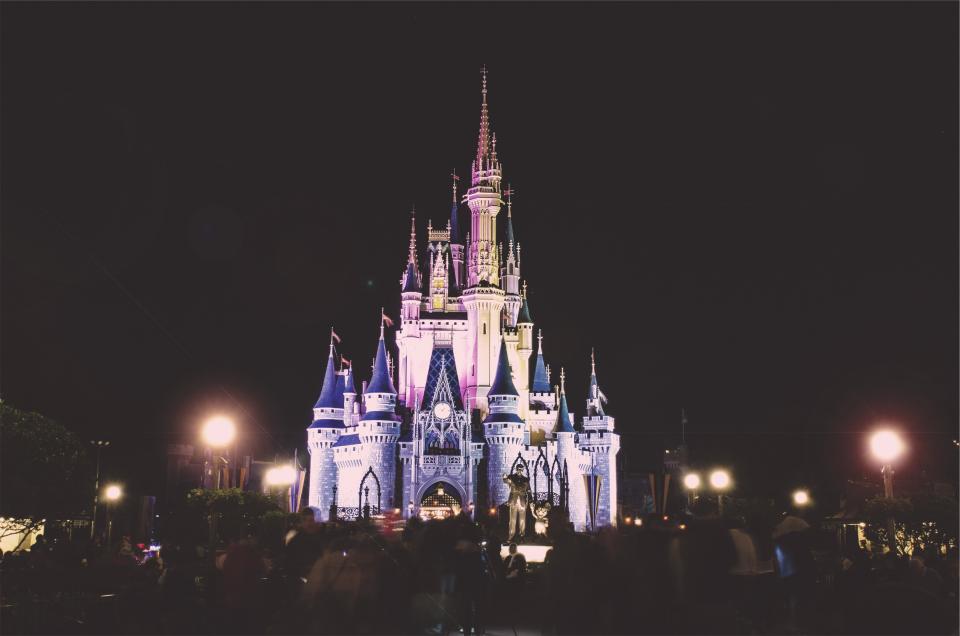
<point>461,410</point>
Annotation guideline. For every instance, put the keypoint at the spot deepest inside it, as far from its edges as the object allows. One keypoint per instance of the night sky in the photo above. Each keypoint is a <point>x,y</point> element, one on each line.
<point>749,210</point>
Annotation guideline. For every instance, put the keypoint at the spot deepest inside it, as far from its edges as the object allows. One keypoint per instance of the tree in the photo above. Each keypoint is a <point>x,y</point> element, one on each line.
<point>231,512</point>
<point>922,521</point>
<point>42,465</point>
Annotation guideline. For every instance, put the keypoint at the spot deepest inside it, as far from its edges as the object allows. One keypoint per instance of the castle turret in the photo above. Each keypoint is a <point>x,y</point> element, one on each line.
<point>568,456</point>
<point>503,428</point>
<point>510,271</point>
<point>542,403</point>
<point>599,438</point>
<point>379,428</point>
<point>322,434</point>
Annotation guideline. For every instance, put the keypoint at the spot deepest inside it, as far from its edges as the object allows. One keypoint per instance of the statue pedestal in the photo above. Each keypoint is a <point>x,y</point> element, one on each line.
<point>534,553</point>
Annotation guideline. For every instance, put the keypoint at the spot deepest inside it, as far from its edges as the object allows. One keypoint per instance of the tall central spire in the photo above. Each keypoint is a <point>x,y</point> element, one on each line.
<point>412,256</point>
<point>483,141</point>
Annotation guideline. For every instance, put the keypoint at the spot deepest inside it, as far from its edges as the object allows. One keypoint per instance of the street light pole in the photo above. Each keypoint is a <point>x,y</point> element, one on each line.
<point>887,446</point>
<point>96,487</point>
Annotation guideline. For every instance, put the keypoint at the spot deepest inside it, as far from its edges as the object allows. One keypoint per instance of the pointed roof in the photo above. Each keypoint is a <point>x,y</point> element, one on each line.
<point>541,381</point>
<point>503,380</point>
<point>524,315</point>
<point>596,397</point>
<point>381,382</point>
<point>349,386</point>
<point>331,396</point>
<point>442,380</point>
<point>563,413</point>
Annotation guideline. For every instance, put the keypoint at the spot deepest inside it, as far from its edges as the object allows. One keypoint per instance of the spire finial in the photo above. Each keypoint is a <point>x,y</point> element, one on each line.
<point>331,341</point>
<point>593,363</point>
<point>412,257</point>
<point>524,290</point>
<point>483,142</point>
<point>539,341</point>
<point>563,378</point>
<point>454,178</point>
<point>382,316</point>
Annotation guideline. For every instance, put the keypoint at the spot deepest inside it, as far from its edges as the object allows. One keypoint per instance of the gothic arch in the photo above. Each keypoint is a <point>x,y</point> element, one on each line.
<point>360,493</point>
<point>433,481</point>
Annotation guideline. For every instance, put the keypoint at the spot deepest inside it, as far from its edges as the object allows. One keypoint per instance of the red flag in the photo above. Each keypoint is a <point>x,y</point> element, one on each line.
<point>333,334</point>
<point>386,319</point>
<point>343,360</point>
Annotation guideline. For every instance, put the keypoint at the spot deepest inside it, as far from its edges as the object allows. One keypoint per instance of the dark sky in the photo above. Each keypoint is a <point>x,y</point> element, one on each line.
<point>749,210</point>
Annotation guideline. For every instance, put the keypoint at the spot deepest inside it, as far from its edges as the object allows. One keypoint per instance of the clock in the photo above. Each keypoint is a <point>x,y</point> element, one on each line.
<point>441,410</point>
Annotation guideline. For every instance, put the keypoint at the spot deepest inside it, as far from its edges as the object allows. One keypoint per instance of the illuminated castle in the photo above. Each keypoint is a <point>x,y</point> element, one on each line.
<point>461,409</point>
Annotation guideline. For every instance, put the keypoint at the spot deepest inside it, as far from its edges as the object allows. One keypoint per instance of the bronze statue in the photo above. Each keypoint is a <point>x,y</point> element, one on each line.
<point>517,502</point>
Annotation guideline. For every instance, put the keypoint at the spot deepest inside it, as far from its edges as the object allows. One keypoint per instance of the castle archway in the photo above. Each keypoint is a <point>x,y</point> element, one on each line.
<point>440,499</point>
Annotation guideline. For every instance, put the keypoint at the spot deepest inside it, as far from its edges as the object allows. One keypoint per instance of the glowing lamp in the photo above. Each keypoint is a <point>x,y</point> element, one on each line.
<point>281,476</point>
<point>638,521</point>
<point>219,431</point>
<point>113,492</point>
<point>801,498</point>
<point>692,481</point>
<point>886,446</point>
<point>493,511</point>
<point>628,520</point>
<point>720,479</point>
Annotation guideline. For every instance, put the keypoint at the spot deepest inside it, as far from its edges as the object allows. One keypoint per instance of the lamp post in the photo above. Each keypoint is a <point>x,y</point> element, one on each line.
<point>100,445</point>
<point>218,432</point>
<point>112,494</point>
<point>887,446</point>
<point>720,481</point>
<point>801,498</point>
<point>691,481</point>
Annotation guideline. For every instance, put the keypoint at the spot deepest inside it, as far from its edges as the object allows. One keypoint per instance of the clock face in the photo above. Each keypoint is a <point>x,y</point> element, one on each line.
<point>441,410</point>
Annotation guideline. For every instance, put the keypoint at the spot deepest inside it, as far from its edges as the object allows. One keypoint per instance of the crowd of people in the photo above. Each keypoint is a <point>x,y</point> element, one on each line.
<point>702,576</point>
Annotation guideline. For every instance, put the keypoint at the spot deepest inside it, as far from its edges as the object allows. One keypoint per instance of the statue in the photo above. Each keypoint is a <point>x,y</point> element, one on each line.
<point>517,502</point>
<point>541,512</point>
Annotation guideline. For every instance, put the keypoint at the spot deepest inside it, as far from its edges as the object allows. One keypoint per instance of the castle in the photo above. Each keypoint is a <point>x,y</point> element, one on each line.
<point>463,411</point>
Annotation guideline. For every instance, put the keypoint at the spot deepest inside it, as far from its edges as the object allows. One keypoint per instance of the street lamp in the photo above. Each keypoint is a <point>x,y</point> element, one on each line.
<point>112,494</point>
<point>99,444</point>
<point>887,446</point>
<point>219,432</point>
<point>801,498</point>
<point>281,477</point>
<point>720,481</point>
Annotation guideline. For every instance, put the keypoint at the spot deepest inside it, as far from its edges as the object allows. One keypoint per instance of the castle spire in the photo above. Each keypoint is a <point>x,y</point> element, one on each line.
<point>503,380</point>
<point>541,378</point>
<point>563,413</point>
<point>510,240</point>
<point>328,392</point>
<point>412,255</point>
<point>454,224</point>
<point>483,140</point>
<point>381,382</point>
<point>595,398</point>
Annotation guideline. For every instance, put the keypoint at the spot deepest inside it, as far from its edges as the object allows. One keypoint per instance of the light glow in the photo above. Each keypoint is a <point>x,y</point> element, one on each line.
<point>219,431</point>
<point>886,445</point>
<point>692,481</point>
<point>801,498</point>
<point>720,479</point>
<point>281,476</point>
<point>113,492</point>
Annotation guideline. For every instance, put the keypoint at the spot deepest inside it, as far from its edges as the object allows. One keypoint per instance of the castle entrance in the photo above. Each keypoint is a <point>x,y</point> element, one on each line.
<point>440,501</point>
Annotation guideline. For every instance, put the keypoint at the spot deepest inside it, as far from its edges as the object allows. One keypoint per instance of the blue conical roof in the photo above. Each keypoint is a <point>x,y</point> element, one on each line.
<point>503,381</point>
<point>329,397</point>
<point>541,383</point>
<point>563,419</point>
<point>524,315</point>
<point>381,382</point>
<point>348,384</point>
